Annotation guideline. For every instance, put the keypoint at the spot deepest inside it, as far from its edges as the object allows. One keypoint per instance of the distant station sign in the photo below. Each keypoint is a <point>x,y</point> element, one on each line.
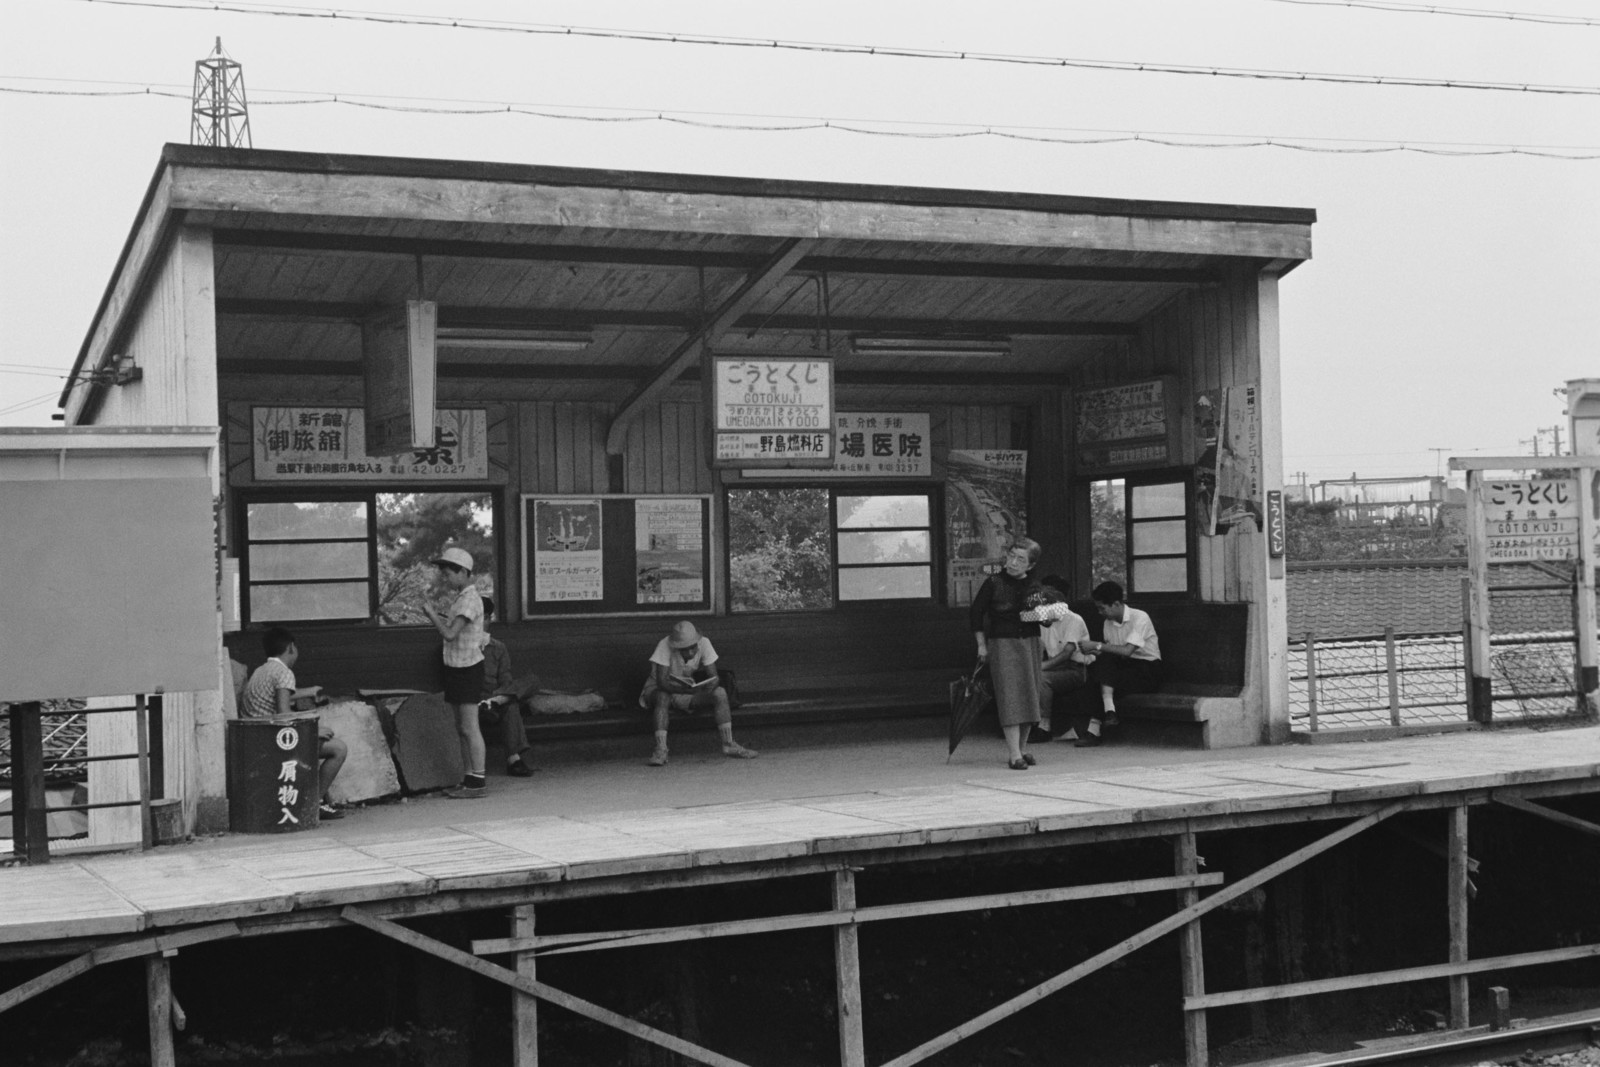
<point>1531,519</point>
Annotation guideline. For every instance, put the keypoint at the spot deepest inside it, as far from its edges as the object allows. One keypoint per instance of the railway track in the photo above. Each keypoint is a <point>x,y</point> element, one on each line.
<point>1500,1046</point>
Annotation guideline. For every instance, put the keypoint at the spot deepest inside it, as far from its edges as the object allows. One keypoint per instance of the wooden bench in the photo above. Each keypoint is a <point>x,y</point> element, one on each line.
<point>791,668</point>
<point>1204,649</point>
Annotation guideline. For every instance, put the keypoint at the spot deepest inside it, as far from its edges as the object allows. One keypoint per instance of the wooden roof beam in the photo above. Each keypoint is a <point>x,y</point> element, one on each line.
<point>351,244</point>
<point>599,318</point>
<point>723,319</point>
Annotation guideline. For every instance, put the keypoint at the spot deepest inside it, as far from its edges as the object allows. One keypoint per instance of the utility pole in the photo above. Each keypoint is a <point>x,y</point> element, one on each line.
<point>1438,460</point>
<point>1555,433</point>
<point>221,118</point>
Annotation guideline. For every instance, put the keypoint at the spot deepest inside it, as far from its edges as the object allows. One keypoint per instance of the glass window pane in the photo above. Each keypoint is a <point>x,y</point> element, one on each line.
<point>283,603</point>
<point>898,546</point>
<point>779,557</point>
<point>885,583</point>
<point>1165,538</point>
<point>1108,544</point>
<point>856,512</point>
<point>300,521</point>
<point>1159,501</point>
<point>1160,576</point>
<point>308,559</point>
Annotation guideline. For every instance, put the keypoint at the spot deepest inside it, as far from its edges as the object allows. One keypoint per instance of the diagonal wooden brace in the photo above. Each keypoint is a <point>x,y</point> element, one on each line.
<point>534,988</point>
<point>1139,940</point>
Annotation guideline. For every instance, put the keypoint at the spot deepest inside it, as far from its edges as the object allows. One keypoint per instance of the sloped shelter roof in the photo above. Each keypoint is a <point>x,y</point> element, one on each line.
<point>641,264</point>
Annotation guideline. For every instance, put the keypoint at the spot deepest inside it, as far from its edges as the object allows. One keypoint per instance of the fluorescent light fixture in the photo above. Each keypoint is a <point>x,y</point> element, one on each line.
<point>481,337</point>
<point>949,345</point>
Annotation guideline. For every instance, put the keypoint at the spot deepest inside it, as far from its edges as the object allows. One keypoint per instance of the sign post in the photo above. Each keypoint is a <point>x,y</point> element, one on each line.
<point>1549,519</point>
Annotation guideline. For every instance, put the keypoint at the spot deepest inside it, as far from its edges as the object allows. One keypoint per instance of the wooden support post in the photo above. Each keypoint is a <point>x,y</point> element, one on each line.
<point>1191,957</point>
<point>1588,674</point>
<point>1394,677</point>
<point>524,1009</point>
<point>141,718</point>
<point>847,971</point>
<point>1480,685</point>
<point>30,833</point>
<point>158,999</point>
<point>1311,677</point>
<point>1456,848</point>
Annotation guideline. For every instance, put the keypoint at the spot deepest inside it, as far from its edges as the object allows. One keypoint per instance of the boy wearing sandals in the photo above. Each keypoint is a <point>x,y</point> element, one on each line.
<point>683,677</point>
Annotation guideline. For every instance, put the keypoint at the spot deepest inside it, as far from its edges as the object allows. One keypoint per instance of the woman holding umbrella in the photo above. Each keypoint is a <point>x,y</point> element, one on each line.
<point>1007,631</point>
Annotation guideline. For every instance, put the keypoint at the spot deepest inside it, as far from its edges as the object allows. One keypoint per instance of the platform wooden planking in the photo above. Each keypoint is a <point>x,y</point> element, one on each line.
<point>458,859</point>
<point>62,900</point>
<point>173,888</point>
<point>238,878</point>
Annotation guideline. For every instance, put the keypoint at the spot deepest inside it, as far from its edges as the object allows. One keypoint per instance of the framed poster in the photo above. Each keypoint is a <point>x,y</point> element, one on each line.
<point>566,540</point>
<point>616,554</point>
<point>770,411</point>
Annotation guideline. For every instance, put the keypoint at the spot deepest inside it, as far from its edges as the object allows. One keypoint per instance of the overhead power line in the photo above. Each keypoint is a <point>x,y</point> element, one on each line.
<point>896,51</point>
<point>1463,12</point>
<point>1067,136</point>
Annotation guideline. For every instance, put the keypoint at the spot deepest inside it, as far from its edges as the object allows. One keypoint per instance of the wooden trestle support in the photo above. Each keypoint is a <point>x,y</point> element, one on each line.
<point>525,945</point>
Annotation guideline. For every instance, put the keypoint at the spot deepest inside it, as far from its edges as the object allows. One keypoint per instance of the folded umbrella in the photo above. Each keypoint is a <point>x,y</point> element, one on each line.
<point>969,695</point>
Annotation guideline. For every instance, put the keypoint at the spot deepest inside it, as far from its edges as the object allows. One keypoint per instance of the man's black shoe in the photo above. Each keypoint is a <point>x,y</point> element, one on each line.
<point>1039,736</point>
<point>1087,741</point>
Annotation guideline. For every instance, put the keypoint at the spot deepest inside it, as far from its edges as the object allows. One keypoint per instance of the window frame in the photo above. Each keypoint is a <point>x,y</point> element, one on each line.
<point>834,489</point>
<point>1171,476</point>
<point>317,494</point>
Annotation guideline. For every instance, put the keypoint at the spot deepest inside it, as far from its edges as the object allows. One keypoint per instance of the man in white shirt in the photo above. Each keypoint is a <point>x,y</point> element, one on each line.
<point>1064,665</point>
<point>1129,659</point>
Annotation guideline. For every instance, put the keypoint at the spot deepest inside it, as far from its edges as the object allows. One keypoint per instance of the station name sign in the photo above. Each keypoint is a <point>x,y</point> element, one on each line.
<point>1530,520</point>
<point>771,412</point>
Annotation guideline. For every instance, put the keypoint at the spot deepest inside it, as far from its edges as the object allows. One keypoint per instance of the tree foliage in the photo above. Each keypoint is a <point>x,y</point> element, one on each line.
<point>778,557</point>
<point>1108,545</point>
<point>1314,532</point>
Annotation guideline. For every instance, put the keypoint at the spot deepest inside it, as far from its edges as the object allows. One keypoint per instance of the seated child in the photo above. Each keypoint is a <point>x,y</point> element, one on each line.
<point>679,658</point>
<point>270,691</point>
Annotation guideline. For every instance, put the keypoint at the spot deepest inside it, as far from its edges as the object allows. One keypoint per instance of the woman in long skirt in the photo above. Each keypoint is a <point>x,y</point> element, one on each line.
<point>1008,640</point>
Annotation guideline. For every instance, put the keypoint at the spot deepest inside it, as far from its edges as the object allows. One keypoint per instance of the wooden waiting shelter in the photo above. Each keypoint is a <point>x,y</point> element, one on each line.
<point>613,361</point>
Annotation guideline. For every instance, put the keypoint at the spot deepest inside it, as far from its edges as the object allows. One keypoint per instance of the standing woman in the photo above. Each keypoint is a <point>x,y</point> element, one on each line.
<point>461,626</point>
<point>1008,640</point>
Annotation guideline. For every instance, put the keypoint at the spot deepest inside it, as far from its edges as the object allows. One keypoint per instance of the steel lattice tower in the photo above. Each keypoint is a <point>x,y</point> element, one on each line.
<point>221,116</point>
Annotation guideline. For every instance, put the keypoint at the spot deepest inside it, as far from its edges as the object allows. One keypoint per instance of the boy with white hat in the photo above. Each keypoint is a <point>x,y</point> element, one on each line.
<point>683,676</point>
<point>461,626</point>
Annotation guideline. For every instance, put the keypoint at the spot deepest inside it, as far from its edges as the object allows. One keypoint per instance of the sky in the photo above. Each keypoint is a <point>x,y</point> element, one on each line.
<point>1449,298</point>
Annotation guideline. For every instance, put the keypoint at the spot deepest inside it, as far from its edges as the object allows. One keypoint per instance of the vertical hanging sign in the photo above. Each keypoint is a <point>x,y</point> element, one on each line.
<point>399,362</point>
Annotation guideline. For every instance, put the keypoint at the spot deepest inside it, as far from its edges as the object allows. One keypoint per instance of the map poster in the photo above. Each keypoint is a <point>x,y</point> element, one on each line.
<point>985,508</point>
<point>669,551</point>
<point>566,550</point>
<point>328,444</point>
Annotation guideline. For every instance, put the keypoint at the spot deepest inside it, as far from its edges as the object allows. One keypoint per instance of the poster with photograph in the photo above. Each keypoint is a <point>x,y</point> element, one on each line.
<point>985,507</point>
<point>669,551</point>
<point>567,561</point>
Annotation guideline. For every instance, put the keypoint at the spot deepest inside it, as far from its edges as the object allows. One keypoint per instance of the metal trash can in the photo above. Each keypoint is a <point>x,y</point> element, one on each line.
<point>272,774</point>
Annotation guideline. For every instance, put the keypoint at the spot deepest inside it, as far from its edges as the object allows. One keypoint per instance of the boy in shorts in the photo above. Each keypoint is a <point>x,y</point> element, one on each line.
<point>683,676</point>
